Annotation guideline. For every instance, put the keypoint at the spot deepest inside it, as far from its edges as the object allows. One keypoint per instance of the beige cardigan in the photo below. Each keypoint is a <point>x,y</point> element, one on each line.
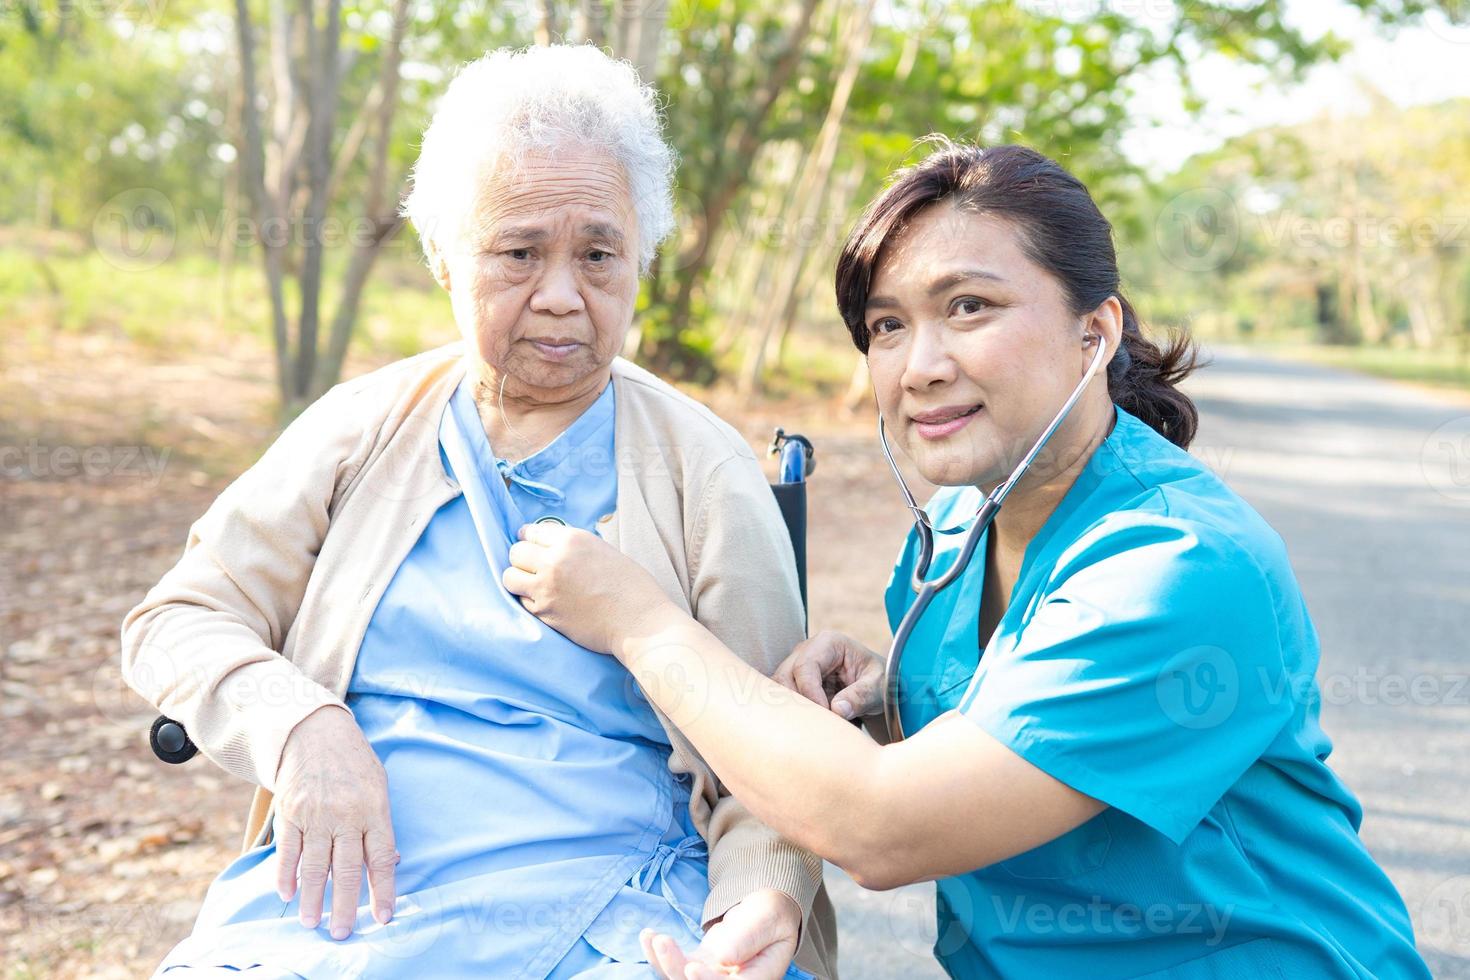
<point>259,623</point>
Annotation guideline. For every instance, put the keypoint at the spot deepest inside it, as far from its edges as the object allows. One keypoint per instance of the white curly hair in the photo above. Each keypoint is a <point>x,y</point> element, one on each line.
<point>541,98</point>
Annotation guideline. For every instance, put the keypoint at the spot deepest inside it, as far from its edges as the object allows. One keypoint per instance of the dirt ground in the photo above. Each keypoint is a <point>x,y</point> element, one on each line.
<point>110,452</point>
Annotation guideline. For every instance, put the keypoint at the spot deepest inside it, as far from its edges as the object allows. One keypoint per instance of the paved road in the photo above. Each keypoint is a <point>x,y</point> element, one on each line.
<point>1369,483</point>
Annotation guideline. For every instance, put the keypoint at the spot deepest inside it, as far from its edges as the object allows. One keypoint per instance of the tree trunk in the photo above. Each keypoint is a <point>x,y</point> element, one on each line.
<point>1421,322</point>
<point>815,177</point>
<point>1370,328</point>
<point>780,167</point>
<point>592,22</point>
<point>836,205</point>
<point>745,137</point>
<point>292,177</point>
<point>229,218</point>
<point>638,31</point>
<point>323,120</point>
<point>45,195</point>
<point>356,133</point>
<point>741,146</point>
<point>385,218</point>
<point>289,114</point>
<point>546,25</point>
<point>251,155</point>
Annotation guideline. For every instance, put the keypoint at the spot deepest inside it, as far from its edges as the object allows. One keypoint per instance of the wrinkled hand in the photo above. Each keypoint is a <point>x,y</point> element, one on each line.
<point>332,816</point>
<point>583,587</point>
<point>756,939</point>
<point>837,672</point>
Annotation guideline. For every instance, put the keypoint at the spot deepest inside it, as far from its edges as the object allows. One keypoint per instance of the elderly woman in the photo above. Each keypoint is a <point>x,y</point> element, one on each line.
<point>336,631</point>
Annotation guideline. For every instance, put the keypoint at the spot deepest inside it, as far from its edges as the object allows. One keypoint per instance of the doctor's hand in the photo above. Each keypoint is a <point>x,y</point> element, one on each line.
<point>837,672</point>
<point>584,588</point>
<point>755,939</point>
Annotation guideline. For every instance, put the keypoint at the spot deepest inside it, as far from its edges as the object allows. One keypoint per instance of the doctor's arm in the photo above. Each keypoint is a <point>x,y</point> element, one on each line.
<point>827,786</point>
<point>948,800</point>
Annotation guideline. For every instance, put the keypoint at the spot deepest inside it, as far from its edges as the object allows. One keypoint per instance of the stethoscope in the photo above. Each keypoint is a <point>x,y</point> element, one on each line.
<point>925,591</point>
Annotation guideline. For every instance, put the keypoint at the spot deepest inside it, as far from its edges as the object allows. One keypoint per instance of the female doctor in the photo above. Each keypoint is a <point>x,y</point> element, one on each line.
<point>1114,766</point>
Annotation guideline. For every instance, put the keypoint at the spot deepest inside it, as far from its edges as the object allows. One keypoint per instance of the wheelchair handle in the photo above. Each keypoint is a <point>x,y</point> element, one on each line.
<point>798,456</point>
<point>170,742</point>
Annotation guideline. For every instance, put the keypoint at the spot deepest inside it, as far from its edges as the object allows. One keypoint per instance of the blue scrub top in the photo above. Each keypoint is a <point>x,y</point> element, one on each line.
<point>1157,656</point>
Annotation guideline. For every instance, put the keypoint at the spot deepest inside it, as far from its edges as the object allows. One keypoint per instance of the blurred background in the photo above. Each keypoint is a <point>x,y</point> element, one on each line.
<point>199,235</point>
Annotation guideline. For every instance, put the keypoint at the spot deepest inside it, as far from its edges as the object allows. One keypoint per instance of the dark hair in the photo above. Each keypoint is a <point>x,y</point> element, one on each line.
<point>1061,230</point>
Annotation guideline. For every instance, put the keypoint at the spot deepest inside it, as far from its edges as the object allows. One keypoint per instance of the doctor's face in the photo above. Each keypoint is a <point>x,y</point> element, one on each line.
<point>973,347</point>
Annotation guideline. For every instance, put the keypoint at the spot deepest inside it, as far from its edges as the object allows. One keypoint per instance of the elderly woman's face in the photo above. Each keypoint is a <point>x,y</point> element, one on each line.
<point>972,345</point>
<point>544,279</point>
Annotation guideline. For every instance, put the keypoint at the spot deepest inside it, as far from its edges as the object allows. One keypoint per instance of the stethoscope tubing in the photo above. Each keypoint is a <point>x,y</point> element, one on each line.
<point>924,589</point>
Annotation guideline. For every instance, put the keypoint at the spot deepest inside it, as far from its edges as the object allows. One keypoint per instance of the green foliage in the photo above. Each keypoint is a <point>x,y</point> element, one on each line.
<point>100,100</point>
<point>1335,231</point>
<point>992,72</point>
<point>93,106</point>
<point>60,284</point>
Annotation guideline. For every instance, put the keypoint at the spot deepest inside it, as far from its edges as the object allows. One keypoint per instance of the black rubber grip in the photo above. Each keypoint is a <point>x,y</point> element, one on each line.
<point>170,742</point>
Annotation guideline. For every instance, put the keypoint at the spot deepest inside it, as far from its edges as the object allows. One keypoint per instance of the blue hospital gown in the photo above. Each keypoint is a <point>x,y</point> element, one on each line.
<point>539,825</point>
<point>1157,656</point>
